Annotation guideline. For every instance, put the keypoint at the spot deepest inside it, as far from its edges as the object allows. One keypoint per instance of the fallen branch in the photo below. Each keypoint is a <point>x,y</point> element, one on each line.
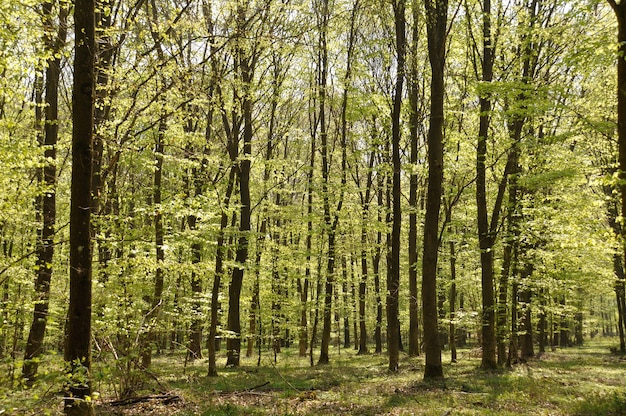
<point>164,398</point>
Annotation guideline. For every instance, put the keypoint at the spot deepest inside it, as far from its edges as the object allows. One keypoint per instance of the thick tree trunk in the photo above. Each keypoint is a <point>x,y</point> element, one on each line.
<point>78,344</point>
<point>436,18</point>
<point>620,14</point>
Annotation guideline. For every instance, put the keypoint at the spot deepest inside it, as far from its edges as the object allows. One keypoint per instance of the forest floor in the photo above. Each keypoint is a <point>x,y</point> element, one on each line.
<point>581,381</point>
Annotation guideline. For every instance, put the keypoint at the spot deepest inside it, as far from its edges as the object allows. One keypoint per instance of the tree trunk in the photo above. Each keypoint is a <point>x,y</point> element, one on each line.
<point>233,344</point>
<point>219,272</point>
<point>378,338</point>
<point>526,327</point>
<point>393,274</point>
<point>485,236</point>
<point>47,201</point>
<point>620,14</point>
<point>620,294</point>
<point>78,345</point>
<point>152,315</point>
<point>365,203</point>
<point>323,18</point>
<point>436,23</point>
<point>452,302</point>
<point>416,120</point>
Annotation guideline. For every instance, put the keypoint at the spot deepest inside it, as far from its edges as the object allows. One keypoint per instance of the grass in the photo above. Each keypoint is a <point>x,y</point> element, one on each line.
<point>579,381</point>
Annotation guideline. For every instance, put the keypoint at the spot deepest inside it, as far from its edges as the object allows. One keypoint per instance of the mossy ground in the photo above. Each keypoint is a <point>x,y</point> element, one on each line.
<point>580,381</point>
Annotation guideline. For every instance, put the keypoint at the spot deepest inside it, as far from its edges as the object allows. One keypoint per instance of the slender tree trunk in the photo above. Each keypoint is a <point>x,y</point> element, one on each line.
<point>365,202</point>
<point>330,265</point>
<point>452,302</point>
<point>486,238</point>
<point>526,327</point>
<point>269,149</point>
<point>416,119</point>
<point>505,273</point>
<point>378,338</point>
<point>195,328</point>
<point>620,294</point>
<point>542,324</point>
<point>346,302</point>
<point>393,275</point>
<point>47,201</point>
<point>78,345</point>
<point>304,336</point>
<point>513,357</point>
<point>563,325</point>
<point>234,291</point>
<point>436,23</point>
<point>152,315</point>
<point>219,272</point>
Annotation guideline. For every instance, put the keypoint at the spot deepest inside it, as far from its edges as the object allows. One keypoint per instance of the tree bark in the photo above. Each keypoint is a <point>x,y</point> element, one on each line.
<point>46,201</point>
<point>323,17</point>
<point>436,23</point>
<point>365,203</point>
<point>78,344</point>
<point>219,272</point>
<point>452,302</point>
<point>620,14</point>
<point>233,343</point>
<point>393,274</point>
<point>378,338</point>
<point>485,237</point>
<point>416,120</point>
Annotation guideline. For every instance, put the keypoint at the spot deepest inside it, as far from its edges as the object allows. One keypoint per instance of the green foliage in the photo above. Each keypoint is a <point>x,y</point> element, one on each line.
<point>602,404</point>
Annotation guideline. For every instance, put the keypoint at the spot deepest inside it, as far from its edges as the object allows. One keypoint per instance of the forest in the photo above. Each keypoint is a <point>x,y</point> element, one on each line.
<point>228,191</point>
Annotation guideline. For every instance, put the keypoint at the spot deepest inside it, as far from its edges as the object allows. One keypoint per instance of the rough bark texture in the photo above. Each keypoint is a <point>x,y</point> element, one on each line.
<point>78,343</point>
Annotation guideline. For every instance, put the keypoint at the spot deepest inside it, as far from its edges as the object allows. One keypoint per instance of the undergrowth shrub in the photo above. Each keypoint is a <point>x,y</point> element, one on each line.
<point>602,404</point>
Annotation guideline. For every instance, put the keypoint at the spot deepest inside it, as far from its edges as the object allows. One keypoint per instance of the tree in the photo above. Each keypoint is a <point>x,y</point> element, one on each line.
<point>54,39</point>
<point>620,14</point>
<point>78,344</point>
<point>484,230</point>
<point>436,25</point>
<point>393,274</point>
<point>417,115</point>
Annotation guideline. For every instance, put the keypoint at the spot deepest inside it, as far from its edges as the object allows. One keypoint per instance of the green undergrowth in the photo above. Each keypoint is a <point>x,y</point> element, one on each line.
<point>581,381</point>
